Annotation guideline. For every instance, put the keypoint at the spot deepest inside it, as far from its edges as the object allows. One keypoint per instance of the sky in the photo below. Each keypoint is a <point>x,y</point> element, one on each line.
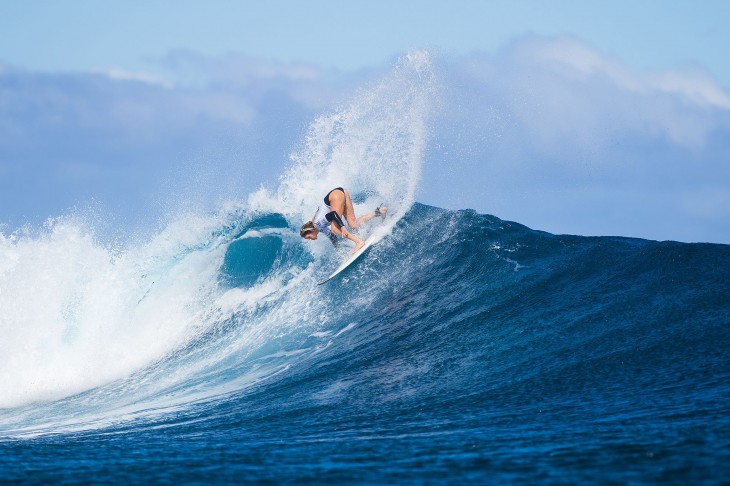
<point>567,116</point>
<point>71,35</point>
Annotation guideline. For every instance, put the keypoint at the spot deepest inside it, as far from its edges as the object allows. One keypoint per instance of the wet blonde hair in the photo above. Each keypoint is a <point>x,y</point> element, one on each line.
<point>307,227</point>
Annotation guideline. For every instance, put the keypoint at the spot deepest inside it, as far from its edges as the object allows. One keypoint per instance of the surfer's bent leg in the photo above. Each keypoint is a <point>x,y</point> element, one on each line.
<point>337,202</point>
<point>338,227</point>
<point>350,212</point>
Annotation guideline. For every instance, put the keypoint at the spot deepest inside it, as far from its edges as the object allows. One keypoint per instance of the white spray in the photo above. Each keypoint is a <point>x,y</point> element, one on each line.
<point>76,315</point>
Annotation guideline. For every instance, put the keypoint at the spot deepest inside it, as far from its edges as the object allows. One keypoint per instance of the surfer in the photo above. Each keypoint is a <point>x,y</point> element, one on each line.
<point>328,219</point>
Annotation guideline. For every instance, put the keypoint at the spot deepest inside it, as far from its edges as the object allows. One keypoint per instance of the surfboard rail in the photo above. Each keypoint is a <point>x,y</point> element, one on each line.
<point>368,243</point>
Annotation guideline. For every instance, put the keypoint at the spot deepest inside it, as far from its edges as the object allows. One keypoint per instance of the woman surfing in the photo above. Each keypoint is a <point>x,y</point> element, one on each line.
<point>328,219</point>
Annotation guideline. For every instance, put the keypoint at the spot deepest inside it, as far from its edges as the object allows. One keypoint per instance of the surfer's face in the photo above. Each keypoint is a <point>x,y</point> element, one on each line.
<point>312,235</point>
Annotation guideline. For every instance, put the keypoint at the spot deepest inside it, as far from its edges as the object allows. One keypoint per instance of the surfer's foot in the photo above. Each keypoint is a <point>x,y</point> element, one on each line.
<point>358,246</point>
<point>381,211</point>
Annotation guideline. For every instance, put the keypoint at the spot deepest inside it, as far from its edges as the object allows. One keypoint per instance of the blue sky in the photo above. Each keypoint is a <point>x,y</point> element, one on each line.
<point>578,117</point>
<point>70,35</point>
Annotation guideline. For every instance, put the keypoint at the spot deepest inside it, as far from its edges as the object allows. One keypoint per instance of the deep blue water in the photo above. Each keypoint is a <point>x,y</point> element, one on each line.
<point>461,348</point>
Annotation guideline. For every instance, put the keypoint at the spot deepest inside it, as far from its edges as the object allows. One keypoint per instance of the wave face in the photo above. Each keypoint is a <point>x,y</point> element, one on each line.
<point>459,348</point>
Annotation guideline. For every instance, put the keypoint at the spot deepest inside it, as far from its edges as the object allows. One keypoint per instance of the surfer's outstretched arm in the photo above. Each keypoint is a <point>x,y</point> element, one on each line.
<point>342,231</point>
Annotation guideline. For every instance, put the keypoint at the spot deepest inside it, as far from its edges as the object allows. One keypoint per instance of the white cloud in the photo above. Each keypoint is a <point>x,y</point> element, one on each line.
<point>576,59</point>
<point>558,91</point>
<point>118,136</point>
<point>553,133</point>
<point>696,86</point>
<point>119,74</point>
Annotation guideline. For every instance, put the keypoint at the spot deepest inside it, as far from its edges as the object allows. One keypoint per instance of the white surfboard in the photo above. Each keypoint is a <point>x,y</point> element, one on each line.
<point>368,243</point>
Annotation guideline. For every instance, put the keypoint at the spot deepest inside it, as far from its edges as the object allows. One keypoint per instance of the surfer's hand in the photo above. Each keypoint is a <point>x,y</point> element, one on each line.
<point>344,232</point>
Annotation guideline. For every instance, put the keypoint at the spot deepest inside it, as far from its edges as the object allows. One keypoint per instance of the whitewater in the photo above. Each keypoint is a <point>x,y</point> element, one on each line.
<point>461,347</point>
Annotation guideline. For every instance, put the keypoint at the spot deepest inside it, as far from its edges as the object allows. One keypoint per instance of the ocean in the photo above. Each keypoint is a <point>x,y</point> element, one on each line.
<point>462,348</point>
